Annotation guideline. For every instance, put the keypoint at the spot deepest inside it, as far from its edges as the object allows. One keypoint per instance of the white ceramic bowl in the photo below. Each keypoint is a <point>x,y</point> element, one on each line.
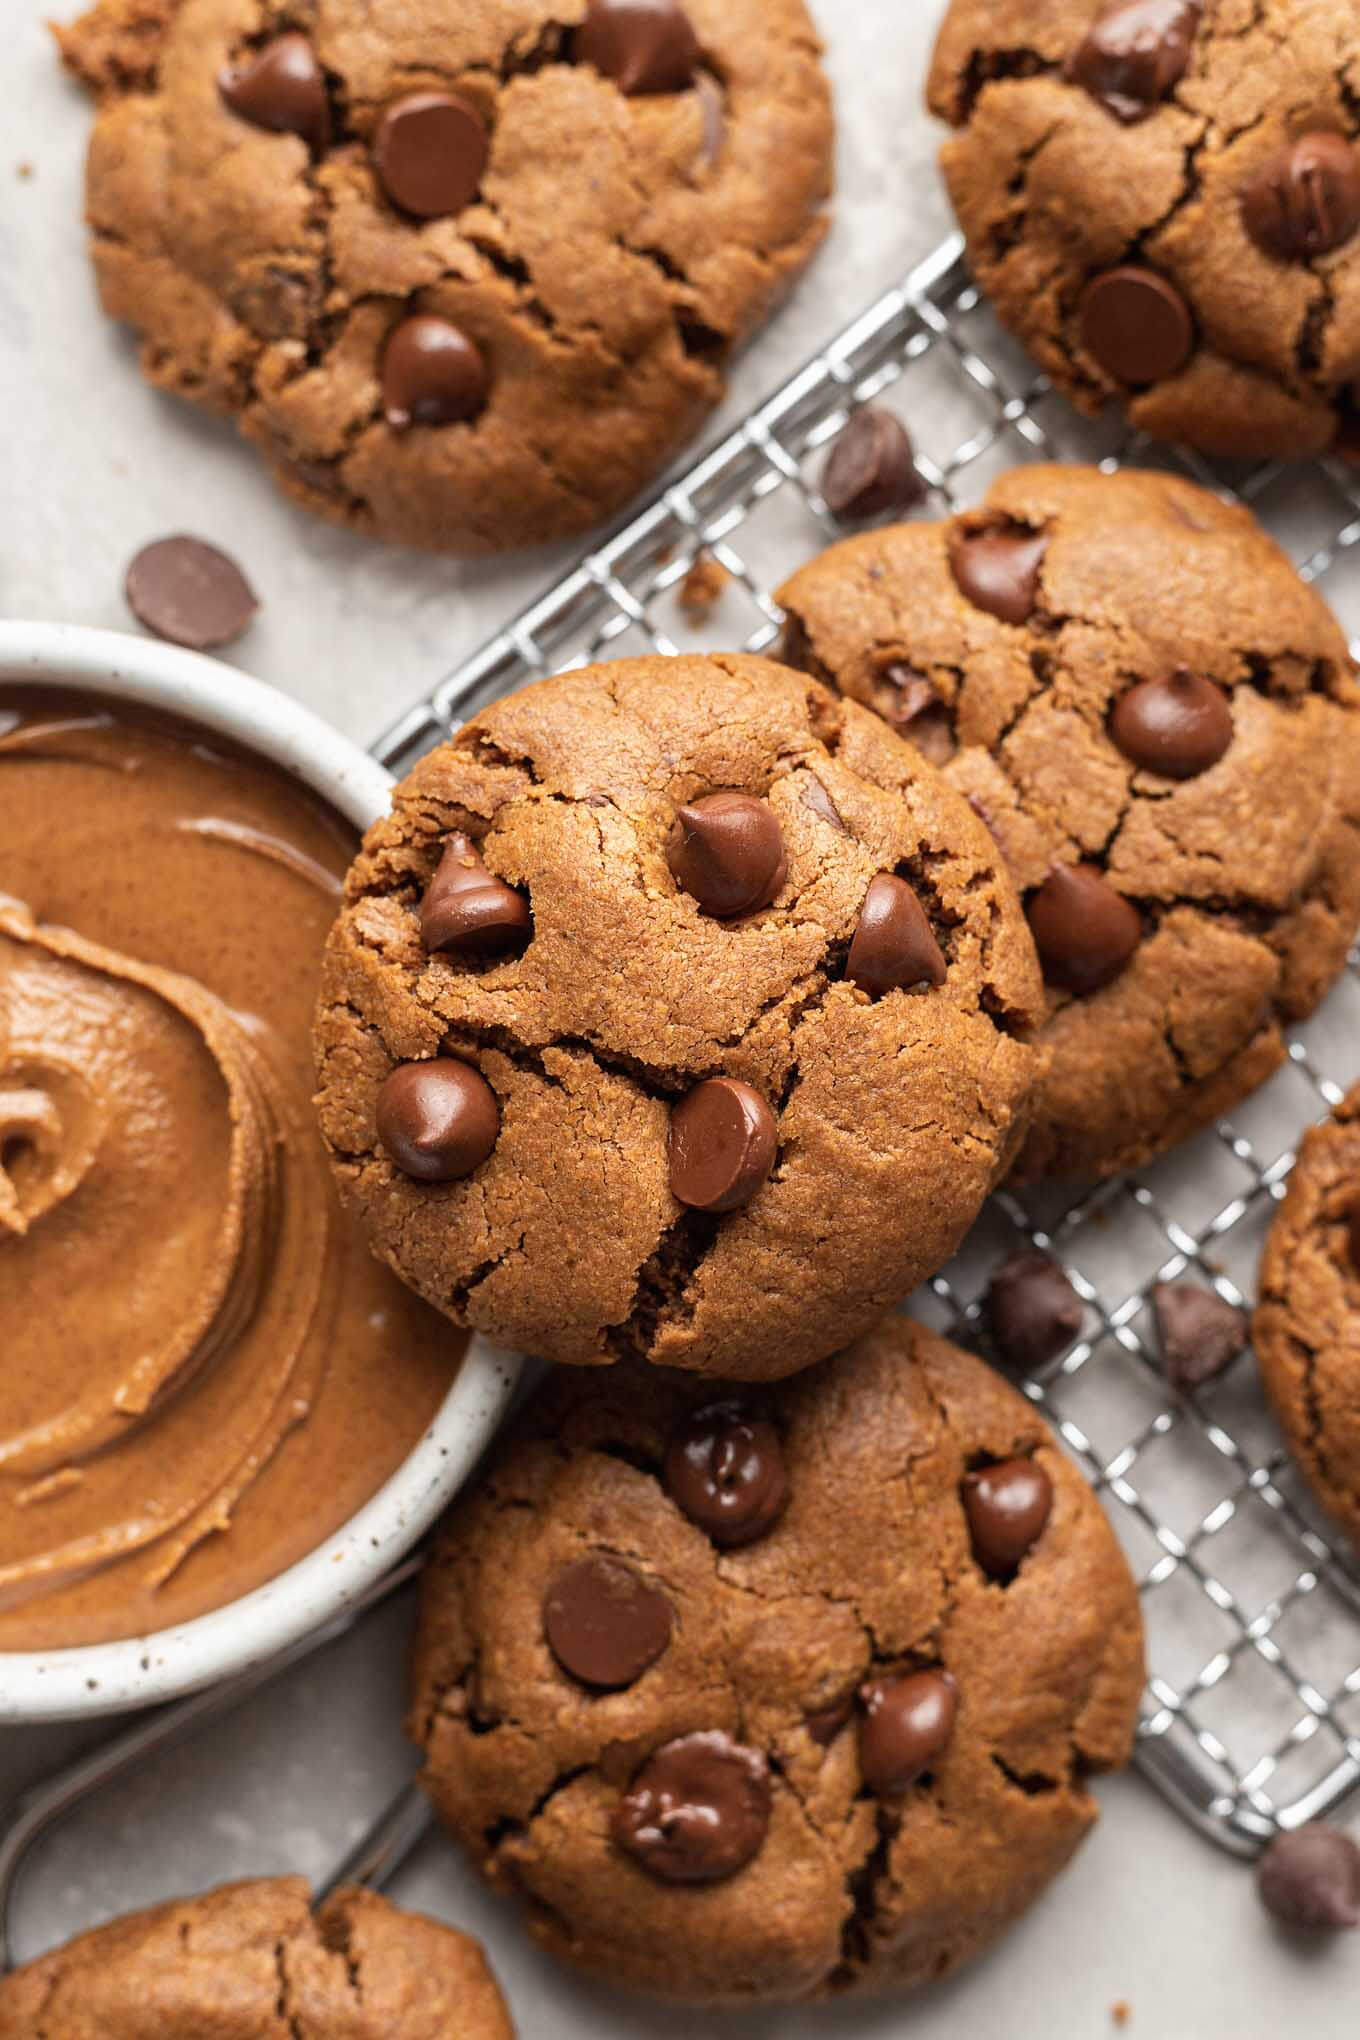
<point>101,1678</point>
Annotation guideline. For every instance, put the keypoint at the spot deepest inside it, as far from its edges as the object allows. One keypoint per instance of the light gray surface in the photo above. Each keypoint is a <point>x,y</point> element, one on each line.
<point>96,464</point>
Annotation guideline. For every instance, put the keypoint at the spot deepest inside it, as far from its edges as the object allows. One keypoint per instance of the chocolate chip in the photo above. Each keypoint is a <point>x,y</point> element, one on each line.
<point>468,909</point>
<point>1305,198</point>
<point>1084,930</point>
<point>1136,325</point>
<point>1353,1235</point>
<point>722,1145</point>
<point>998,569</point>
<point>429,150</point>
<point>725,1469</point>
<point>903,1726</point>
<point>1197,1331</point>
<point>893,945</point>
<point>282,88</point>
<point>1134,52</point>
<point>824,1724</point>
<point>643,45</point>
<point>189,593</point>
<point>816,797</point>
<point>604,1622</point>
<point>871,467</point>
<point>1178,727</point>
<point>907,700</point>
<point>1310,1878</point>
<point>432,374</point>
<point>727,851</point>
<point>697,1811</point>
<point>1007,1507</point>
<point>1033,1310</point>
<point>438,1120</point>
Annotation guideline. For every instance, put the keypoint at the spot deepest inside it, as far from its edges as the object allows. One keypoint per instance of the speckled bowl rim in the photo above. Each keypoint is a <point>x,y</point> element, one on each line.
<point>135,1672</point>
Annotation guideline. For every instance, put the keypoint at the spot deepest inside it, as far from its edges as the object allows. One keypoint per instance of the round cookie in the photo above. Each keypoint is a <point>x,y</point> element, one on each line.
<point>719,1001</point>
<point>466,274</point>
<point>835,1665</point>
<point>1162,199</point>
<point>1157,719</point>
<point>250,1962</point>
<point>1306,1330</point>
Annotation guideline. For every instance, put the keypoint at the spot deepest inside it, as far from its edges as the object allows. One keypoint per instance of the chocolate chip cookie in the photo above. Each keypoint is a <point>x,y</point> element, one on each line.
<point>1158,721</point>
<point>680,1011</point>
<point>466,274</point>
<point>764,1696</point>
<point>249,1962</point>
<point>1162,199</point>
<point>1306,1330</point>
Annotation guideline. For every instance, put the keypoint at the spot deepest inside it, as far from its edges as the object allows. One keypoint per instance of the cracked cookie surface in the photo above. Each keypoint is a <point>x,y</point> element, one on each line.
<point>922,1710</point>
<point>616,247</point>
<point>1164,703</point>
<point>250,1962</point>
<point>1190,172</point>
<point>878,1120</point>
<point>1306,1330</point>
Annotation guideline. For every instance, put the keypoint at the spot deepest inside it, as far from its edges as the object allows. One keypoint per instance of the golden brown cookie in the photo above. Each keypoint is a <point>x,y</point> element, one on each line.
<point>764,1697</point>
<point>679,1011</point>
<point>1162,198</point>
<point>250,1962</point>
<point>1158,721</point>
<point>467,274</point>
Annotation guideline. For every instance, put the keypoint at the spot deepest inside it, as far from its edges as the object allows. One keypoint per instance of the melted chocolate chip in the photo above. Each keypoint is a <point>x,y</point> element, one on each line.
<point>432,374</point>
<point>998,570</point>
<point>429,150</point>
<point>722,1145</point>
<point>1136,325</point>
<point>725,1469</point>
<point>1084,930</point>
<point>282,88</point>
<point>904,1725</point>
<point>1007,1507</point>
<point>1178,727</point>
<point>604,1622</point>
<point>1134,52</point>
<point>1310,1878</point>
<point>1305,198</point>
<point>643,45</point>
<point>1197,1331</point>
<point>727,851</point>
<point>893,945</point>
<point>1033,1310</point>
<point>438,1120</point>
<point>697,1811</point>
<point>189,593</point>
<point>907,700</point>
<point>468,909</point>
<point>871,467</point>
<point>824,1724</point>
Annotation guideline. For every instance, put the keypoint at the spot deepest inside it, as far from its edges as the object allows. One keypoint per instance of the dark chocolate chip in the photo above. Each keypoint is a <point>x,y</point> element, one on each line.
<point>283,88</point>
<point>1084,930</point>
<point>871,467</point>
<point>1353,1235</point>
<point>722,1145</point>
<point>1033,1310</point>
<point>1305,198</point>
<point>697,1811</point>
<point>1178,727</point>
<point>1310,1878</point>
<point>189,593</point>
<point>468,909</point>
<point>824,1724</point>
<point>998,569</point>
<point>604,1622</point>
<point>1198,1332</point>
<point>727,851</point>
<point>893,945</point>
<point>904,1725</point>
<point>429,150</point>
<point>643,45</point>
<point>432,374</point>
<point>725,1469</point>
<point>907,700</point>
<point>1134,52</point>
<point>438,1120</point>
<point>1007,1506</point>
<point>1136,325</point>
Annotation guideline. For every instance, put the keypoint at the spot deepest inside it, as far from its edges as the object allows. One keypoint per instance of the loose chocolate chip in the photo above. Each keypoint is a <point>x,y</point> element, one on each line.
<point>722,1145</point>
<point>904,1725</point>
<point>871,467</point>
<point>727,851</point>
<point>1134,52</point>
<point>1084,930</point>
<point>604,1622</point>
<point>468,909</point>
<point>432,374</point>
<point>282,88</point>
<point>1310,1878</point>
<point>430,150</point>
<point>438,1120</point>
<point>1305,198</point>
<point>1136,324</point>
<point>998,570</point>
<point>643,45</point>
<point>725,1469</point>
<point>1178,727</point>
<point>1197,1331</point>
<point>893,945</point>
<point>1007,1507</point>
<point>697,1811</point>
<point>189,593</point>
<point>1033,1310</point>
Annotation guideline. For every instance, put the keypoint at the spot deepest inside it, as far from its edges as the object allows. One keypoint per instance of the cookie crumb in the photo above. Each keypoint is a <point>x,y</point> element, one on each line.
<point>24,171</point>
<point>702,586</point>
<point>1120,2012</point>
